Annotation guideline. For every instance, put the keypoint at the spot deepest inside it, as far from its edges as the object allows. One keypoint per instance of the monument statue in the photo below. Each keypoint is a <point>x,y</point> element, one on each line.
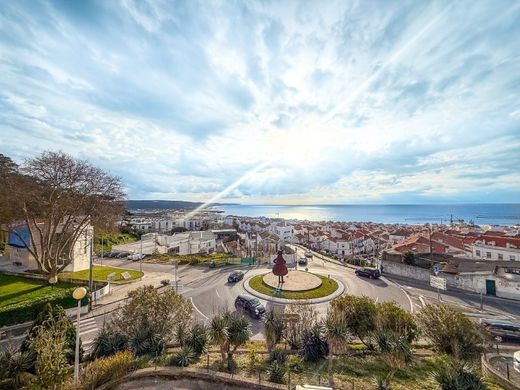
<point>280,269</point>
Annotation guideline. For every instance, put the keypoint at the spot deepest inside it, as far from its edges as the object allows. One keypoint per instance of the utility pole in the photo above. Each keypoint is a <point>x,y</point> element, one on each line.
<point>90,279</point>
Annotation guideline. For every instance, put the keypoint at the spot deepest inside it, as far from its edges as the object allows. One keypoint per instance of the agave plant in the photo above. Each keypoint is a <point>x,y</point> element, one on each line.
<point>146,342</point>
<point>184,357</point>
<point>276,372</point>
<point>452,374</point>
<point>314,345</point>
<point>108,343</point>
<point>13,365</point>
<point>198,338</point>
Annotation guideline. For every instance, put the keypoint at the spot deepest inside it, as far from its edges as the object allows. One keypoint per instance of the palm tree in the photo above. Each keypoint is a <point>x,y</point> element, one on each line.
<point>273,329</point>
<point>229,331</point>
<point>337,336</point>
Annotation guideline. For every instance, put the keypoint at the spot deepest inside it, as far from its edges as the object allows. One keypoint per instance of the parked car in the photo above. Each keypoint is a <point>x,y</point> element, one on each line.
<point>235,276</point>
<point>135,257</point>
<point>372,273</point>
<point>308,254</point>
<point>250,305</point>
<point>502,330</point>
<point>122,255</point>
<point>302,261</point>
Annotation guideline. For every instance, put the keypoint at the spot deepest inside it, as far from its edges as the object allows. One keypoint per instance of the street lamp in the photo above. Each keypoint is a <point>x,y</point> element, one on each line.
<point>78,294</point>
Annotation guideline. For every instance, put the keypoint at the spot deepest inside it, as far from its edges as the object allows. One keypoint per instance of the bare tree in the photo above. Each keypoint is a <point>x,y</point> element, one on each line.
<point>55,198</point>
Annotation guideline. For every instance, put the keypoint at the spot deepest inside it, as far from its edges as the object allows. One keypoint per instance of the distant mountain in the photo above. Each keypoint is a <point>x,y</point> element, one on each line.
<point>162,204</point>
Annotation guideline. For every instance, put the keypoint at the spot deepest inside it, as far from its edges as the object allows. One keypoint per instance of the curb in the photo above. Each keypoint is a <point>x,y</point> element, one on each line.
<point>335,294</point>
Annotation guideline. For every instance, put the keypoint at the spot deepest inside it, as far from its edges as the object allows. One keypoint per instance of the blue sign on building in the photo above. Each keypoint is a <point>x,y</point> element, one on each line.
<point>21,238</point>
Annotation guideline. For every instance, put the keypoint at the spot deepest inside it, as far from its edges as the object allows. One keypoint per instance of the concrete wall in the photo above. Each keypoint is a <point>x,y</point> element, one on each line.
<point>406,271</point>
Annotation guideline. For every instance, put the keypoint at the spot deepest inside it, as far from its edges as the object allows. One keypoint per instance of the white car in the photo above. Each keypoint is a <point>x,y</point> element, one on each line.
<point>516,361</point>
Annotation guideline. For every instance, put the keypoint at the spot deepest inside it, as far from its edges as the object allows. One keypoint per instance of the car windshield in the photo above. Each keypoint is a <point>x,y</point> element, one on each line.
<point>254,302</point>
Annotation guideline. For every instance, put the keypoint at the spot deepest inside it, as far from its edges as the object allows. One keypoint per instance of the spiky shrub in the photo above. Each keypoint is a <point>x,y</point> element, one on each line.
<point>53,313</point>
<point>108,342</point>
<point>146,342</point>
<point>274,327</point>
<point>184,357</point>
<point>276,372</point>
<point>106,369</point>
<point>12,366</point>
<point>452,374</point>
<point>198,338</point>
<point>277,355</point>
<point>295,363</point>
<point>314,345</point>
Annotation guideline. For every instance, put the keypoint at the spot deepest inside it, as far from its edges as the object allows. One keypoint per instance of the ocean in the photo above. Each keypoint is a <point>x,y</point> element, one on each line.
<point>480,214</point>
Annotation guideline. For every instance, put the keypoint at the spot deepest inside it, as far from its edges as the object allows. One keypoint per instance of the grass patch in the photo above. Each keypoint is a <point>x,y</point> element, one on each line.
<point>100,272</point>
<point>328,286</point>
<point>21,299</point>
<point>111,239</point>
<point>218,258</point>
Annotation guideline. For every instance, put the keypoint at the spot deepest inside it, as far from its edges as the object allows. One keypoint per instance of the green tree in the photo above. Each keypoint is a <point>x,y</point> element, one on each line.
<point>58,197</point>
<point>451,332</point>
<point>229,331</point>
<point>359,315</point>
<point>147,310</point>
<point>50,315</point>
<point>50,343</point>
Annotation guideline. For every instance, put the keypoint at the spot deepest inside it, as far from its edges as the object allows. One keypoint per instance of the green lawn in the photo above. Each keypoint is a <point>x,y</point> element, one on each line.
<point>16,289</point>
<point>100,272</point>
<point>218,258</point>
<point>328,286</point>
<point>21,299</point>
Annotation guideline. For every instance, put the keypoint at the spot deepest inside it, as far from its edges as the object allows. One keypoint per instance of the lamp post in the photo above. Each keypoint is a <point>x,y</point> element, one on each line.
<point>78,294</point>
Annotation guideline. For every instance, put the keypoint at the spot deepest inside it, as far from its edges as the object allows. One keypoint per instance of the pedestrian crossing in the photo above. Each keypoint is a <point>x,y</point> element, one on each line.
<point>87,331</point>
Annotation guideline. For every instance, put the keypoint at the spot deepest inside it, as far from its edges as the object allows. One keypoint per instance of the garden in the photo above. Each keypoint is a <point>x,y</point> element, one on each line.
<point>22,298</point>
<point>101,272</point>
<point>218,259</point>
<point>359,344</point>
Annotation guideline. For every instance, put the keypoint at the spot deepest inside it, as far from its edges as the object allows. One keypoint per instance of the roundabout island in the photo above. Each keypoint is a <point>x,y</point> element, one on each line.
<point>282,285</point>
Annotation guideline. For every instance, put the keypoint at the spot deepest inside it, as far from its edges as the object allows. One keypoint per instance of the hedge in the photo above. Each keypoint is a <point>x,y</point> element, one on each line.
<point>28,310</point>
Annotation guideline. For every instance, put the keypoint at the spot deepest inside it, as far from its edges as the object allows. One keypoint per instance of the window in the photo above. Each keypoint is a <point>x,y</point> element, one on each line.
<point>477,252</point>
<point>488,255</point>
<point>500,256</point>
<point>512,257</point>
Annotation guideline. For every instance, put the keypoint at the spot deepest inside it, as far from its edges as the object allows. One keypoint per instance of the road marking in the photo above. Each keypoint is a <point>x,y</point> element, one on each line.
<point>195,307</point>
<point>216,291</point>
<point>422,301</point>
<point>405,293</point>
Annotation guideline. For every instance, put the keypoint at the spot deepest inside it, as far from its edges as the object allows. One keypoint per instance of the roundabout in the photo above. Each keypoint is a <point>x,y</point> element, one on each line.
<point>328,289</point>
<point>294,281</point>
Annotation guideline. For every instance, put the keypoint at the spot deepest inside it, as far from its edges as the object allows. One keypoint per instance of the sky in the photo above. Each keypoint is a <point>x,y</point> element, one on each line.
<point>281,102</point>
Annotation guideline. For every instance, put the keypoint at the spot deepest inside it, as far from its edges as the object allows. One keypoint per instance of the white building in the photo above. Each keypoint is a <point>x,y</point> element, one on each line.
<point>495,248</point>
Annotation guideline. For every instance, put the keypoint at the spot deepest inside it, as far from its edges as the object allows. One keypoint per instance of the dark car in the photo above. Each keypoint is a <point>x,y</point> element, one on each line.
<point>250,305</point>
<point>372,273</point>
<point>504,330</point>
<point>302,261</point>
<point>235,277</point>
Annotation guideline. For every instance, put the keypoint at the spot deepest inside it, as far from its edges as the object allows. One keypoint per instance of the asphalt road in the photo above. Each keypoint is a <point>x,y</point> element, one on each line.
<point>210,293</point>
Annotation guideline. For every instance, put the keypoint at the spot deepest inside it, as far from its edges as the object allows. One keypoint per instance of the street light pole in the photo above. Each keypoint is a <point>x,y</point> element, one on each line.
<point>141,256</point>
<point>90,276</point>
<point>78,294</point>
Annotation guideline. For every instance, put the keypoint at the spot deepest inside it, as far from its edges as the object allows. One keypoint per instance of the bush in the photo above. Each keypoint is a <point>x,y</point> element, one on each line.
<point>147,342</point>
<point>451,332</point>
<point>108,343</point>
<point>276,372</point>
<point>314,346</point>
<point>107,369</point>
<point>453,375</point>
<point>295,363</point>
<point>277,355</point>
<point>184,357</point>
<point>165,282</point>
<point>197,339</point>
